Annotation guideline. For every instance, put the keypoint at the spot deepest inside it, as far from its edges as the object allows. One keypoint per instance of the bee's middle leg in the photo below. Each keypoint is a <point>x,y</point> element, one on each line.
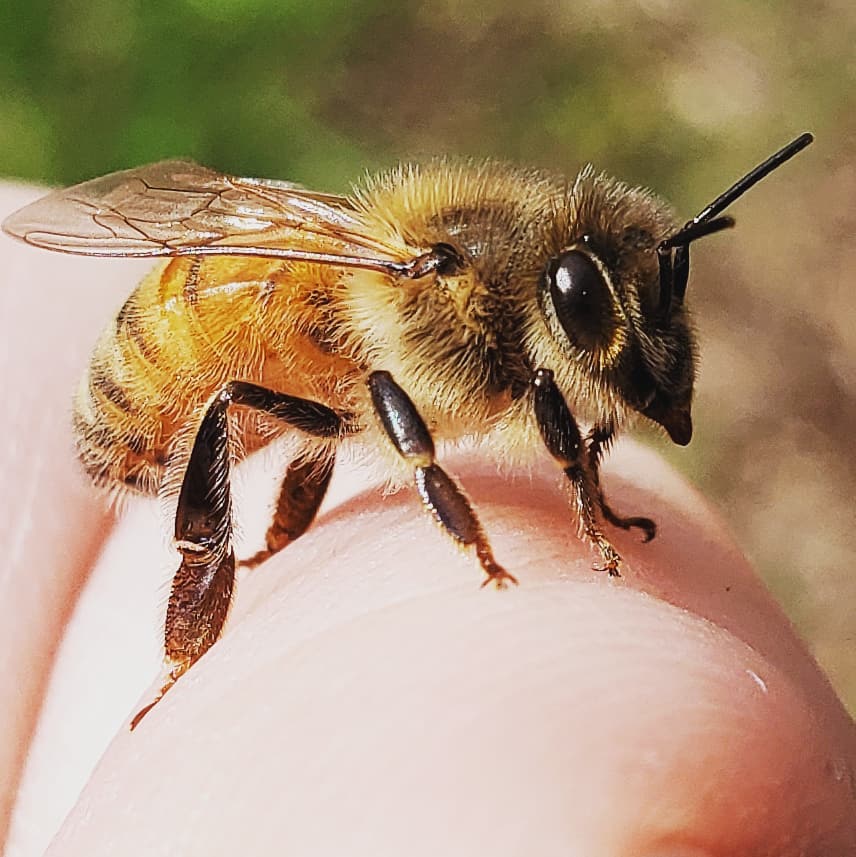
<point>440,494</point>
<point>202,587</point>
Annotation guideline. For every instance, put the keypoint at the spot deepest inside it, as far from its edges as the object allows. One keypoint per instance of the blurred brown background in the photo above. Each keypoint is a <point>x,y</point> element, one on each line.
<point>682,97</point>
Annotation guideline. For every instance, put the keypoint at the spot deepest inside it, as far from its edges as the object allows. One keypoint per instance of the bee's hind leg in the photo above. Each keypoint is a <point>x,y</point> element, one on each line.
<point>202,587</point>
<point>301,492</point>
<point>441,496</point>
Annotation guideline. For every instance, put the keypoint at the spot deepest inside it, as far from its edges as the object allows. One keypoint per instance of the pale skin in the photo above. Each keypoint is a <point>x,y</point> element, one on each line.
<point>369,698</point>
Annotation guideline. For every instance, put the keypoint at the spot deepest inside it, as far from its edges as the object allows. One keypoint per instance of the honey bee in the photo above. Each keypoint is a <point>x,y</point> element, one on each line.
<point>436,302</point>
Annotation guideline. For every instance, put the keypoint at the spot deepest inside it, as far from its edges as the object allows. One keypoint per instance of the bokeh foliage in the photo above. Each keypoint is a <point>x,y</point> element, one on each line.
<point>681,96</point>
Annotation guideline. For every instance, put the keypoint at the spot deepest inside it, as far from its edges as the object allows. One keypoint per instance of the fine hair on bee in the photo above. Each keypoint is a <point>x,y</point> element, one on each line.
<point>441,302</point>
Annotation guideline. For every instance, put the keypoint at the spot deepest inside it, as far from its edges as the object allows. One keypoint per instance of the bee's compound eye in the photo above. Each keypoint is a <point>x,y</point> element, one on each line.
<point>582,300</point>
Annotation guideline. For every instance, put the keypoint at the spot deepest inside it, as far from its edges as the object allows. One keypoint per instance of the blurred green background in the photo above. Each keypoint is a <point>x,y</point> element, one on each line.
<point>682,97</point>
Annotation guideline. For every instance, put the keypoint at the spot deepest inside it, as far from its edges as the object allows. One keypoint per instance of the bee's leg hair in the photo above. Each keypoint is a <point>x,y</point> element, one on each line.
<point>564,442</point>
<point>202,586</point>
<point>440,494</point>
<point>599,440</point>
<point>303,488</point>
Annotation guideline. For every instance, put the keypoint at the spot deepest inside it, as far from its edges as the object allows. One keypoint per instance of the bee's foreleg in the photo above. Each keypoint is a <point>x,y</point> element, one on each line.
<point>301,492</point>
<point>202,587</point>
<point>564,442</point>
<point>599,440</point>
<point>440,494</point>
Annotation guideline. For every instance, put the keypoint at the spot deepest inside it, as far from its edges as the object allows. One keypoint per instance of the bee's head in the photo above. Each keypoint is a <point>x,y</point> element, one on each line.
<point>605,302</point>
<point>614,290</point>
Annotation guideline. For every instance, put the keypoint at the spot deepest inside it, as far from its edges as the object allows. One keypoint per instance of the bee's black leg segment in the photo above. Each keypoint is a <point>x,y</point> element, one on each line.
<point>451,509</point>
<point>202,587</point>
<point>311,417</point>
<point>440,494</point>
<point>599,440</point>
<point>639,522</point>
<point>303,488</point>
<point>401,420</point>
<point>564,442</point>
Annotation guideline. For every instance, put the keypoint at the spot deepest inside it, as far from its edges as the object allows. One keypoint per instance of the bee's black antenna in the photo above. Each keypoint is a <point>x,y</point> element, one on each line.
<point>696,229</point>
<point>752,178</point>
<point>674,271</point>
<point>680,242</point>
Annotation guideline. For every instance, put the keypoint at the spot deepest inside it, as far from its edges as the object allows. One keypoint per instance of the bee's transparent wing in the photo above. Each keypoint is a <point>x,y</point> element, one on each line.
<point>178,208</point>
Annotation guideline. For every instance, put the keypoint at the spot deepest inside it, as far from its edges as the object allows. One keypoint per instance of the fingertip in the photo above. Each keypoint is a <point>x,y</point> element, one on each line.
<point>411,710</point>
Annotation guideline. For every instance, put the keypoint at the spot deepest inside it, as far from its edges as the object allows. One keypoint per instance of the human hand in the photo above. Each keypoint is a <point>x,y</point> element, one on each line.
<point>367,697</point>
